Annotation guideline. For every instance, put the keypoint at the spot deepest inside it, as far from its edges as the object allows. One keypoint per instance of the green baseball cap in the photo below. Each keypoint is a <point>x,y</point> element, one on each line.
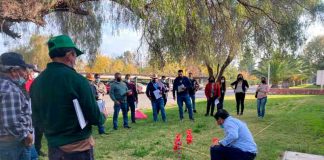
<point>62,41</point>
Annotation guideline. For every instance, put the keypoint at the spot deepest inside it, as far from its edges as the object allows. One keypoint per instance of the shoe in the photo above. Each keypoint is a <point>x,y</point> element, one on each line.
<point>115,128</point>
<point>211,115</point>
<point>104,133</point>
<point>192,120</point>
<point>241,114</point>
<point>127,127</point>
<point>134,122</point>
<point>195,111</point>
<point>206,114</point>
<point>181,120</point>
<point>185,110</point>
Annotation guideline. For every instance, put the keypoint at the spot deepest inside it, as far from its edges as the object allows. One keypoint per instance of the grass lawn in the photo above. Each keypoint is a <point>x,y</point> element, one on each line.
<point>298,126</point>
<point>306,86</point>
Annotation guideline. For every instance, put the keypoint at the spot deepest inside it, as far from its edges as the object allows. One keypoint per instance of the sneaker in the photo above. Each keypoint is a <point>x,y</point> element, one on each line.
<point>185,110</point>
<point>206,114</point>
<point>134,122</point>
<point>127,127</point>
<point>195,111</point>
<point>241,114</point>
<point>115,128</point>
<point>192,120</point>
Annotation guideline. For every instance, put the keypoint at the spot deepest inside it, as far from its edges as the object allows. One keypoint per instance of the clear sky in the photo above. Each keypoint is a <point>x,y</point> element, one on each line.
<point>113,44</point>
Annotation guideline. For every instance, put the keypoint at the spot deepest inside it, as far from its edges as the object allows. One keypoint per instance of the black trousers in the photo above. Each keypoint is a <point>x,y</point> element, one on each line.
<point>229,153</point>
<point>38,138</point>
<point>210,106</point>
<point>220,105</point>
<point>240,97</point>
<point>131,107</point>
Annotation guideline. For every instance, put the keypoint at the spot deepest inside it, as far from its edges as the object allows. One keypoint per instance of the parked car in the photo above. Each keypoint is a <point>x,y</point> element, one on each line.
<point>141,88</point>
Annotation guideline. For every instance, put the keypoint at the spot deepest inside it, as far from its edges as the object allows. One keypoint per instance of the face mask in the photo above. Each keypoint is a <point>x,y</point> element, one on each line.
<point>128,80</point>
<point>118,79</point>
<point>97,80</point>
<point>20,81</point>
<point>222,81</point>
<point>212,81</point>
<point>240,78</point>
<point>263,81</point>
<point>35,75</point>
<point>221,126</point>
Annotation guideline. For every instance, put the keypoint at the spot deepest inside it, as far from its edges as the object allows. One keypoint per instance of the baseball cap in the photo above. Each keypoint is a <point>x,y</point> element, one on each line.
<point>14,59</point>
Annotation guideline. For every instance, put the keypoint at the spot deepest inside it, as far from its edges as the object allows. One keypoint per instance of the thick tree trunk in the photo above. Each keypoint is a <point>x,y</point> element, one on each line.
<point>228,61</point>
<point>210,70</point>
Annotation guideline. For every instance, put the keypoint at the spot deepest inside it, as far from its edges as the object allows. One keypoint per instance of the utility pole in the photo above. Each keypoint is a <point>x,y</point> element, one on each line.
<point>269,74</point>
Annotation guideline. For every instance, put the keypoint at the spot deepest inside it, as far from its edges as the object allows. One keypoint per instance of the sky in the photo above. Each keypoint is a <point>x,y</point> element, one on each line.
<point>114,44</point>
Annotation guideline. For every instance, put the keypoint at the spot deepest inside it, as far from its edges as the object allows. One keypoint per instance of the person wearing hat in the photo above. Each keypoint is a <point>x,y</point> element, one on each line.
<point>52,95</point>
<point>154,91</point>
<point>16,129</point>
<point>118,93</point>
<point>91,79</point>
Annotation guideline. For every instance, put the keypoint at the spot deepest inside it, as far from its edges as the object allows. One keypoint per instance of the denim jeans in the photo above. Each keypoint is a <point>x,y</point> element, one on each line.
<point>14,150</point>
<point>117,108</point>
<point>58,154</point>
<point>186,99</point>
<point>193,101</point>
<point>261,106</point>
<point>158,104</point>
<point>229,153</point>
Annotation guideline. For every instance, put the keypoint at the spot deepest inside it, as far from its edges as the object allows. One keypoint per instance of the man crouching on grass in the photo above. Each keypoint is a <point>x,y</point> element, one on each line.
<point>238,143</point>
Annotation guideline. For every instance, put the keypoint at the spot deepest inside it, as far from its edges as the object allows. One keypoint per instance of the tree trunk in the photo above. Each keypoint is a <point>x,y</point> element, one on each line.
<point>228,61</point>
<point>210,70</point>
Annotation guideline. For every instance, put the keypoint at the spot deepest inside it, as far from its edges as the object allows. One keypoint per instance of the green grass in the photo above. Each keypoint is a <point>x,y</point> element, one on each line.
<point>306,86</point>
<point>299,126</point>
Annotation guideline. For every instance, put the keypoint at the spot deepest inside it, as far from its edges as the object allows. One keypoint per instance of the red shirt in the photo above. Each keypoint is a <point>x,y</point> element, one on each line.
<point>28,84</point>
<point>216,90</point>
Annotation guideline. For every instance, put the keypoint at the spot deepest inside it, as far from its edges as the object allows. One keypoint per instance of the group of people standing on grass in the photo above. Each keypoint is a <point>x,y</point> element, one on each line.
<point>46,105</point>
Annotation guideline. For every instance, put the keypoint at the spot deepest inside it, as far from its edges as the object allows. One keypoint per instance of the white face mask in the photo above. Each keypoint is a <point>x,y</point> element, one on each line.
<point>222,81</point>
<point>35,75</point>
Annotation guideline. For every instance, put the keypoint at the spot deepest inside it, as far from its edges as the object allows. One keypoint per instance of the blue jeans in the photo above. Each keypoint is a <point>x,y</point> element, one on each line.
<point>14,150</point>
<point>158,104</point>
<point>58,154</point>
<point>229,153</point>
<point>187,101</point>
<point>123,107</point>
<point>261,106</point>
<point>193,101</point>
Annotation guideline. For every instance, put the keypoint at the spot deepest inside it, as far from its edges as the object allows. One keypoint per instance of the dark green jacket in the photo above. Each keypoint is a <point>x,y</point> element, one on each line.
<point>52,93</point>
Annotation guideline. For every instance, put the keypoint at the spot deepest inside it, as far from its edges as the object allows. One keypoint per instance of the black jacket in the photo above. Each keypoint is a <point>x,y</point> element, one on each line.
<point>245,85</point>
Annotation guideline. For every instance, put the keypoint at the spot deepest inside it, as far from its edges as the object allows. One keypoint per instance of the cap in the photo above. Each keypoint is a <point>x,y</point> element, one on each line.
<point>14,59</point>
<point>90,77</point>
<point>62,41</point>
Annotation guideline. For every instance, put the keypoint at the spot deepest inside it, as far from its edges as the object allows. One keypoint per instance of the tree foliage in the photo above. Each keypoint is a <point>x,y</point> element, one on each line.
<point>314,53</point>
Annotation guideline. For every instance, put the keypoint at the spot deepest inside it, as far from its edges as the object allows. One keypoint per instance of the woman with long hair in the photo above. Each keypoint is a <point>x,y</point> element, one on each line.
<point>222,84</point>
<point>212,91</point>
<point>261,95</point>
<point>240,87</point>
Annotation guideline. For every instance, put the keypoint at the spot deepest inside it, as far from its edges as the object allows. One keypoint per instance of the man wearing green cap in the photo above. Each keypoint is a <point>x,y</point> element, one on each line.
<point>52,94</point>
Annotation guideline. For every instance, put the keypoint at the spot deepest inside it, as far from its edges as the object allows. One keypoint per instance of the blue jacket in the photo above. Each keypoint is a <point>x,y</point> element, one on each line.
<point>238,135</point>
<point>178,82</point>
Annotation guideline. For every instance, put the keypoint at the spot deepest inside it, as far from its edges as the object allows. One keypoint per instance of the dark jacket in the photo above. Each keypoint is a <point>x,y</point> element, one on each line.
<point>178,82</point>
<point>52,94</point>
<point>150,89</point>
<point>134,96</point>
<point>194,86</point>
<point>244,85</point>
